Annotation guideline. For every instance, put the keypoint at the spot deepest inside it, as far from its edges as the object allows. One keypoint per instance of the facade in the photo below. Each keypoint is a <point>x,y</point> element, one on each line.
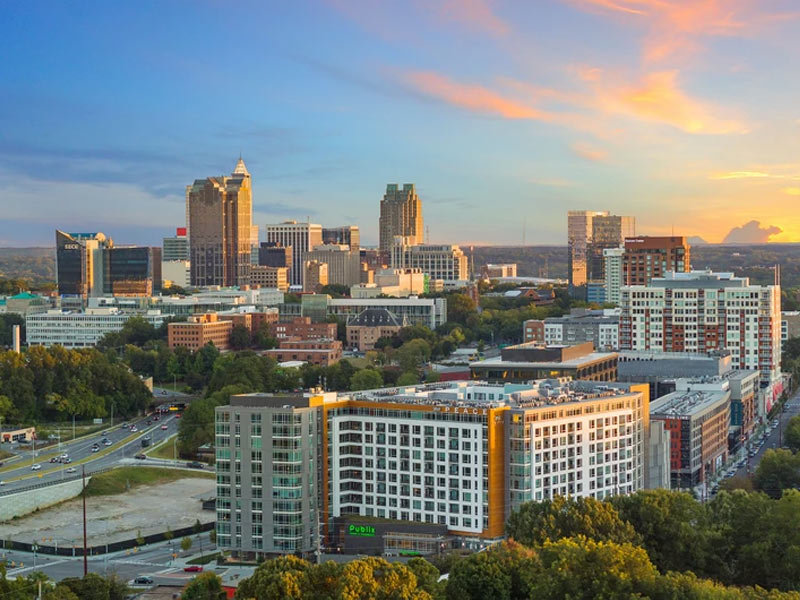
<point>431,312</point>
<point>26,303</point>
<point>303,328</point>
<point>608,231</point>
<point>319,352</point>
<point>588,234</point>
<point>177,272</point>
<point>660,370</point>
<point>371,324</point>
<point>198,331</point>
<point>175,247</point>
<point>220,222</point>
<point>399,283</point>
<point>79,263</point>
<point>270,277</point>
<point>698,424</point>
<point>401,215</point>
<point>613,258</point>
<point>533,331</point>
<point>344,264</point>
<point>601,327</point>
<point>528,362</point>
<point>346,235</point>
<point>790,325</point>
<point>315,276</point>
<point>439,262</point>
<point>131,271</point>
<point>301,237</point>
<point>499,271</point>
<point>272,254</point>
<point>704,311</point>
<point>80,329</point>
<point>647,258</point>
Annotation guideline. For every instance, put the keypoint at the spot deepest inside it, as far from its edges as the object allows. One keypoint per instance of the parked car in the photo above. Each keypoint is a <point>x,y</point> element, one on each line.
<point>36,467</point>
<point>193,568</point>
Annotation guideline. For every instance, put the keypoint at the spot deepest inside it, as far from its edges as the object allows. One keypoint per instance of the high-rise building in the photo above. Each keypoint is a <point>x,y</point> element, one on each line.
<point>271,277</point>
<point>315,276</point>
<point>220,225</point>
<point>272,254</point>
<point>176,247</point>
<point>613,273</point>
<point>703,311</point>
<point>79,263</point>
<point>439,262</point>
<point>131,271</point>
<point>344,264</point>
<point>301,237</point>
<point>588,234</point>
<point>401,215</point>
<point>348,235</point>
<point>647,257</point>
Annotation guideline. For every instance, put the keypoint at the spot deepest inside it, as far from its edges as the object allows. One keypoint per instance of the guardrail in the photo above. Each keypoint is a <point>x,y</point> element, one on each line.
<point>43,484</point>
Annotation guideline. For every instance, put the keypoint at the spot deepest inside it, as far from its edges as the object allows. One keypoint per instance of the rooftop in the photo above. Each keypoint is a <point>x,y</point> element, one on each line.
<point>686,404</point>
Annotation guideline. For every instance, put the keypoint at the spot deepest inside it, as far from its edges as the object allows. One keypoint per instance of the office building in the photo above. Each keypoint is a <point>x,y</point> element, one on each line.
<point>697,422</point>
<point>315,276</point>
<point>175,247</point>
<point>79,263</point>
<point>131,271</point>
<point>81,329</point>
<point>273,254</point>
<point>319,352</point>
<point>220,225</point>
<point>703,311</point>
<point>647,258</point>
<point>444,262</point>
<point>527,362</point>
<point>660,370</point>
<point>303,328</point>
<point>431,312</point>
<point>499,271</point>
<point>601,327</point>
<point>270,277</point>
<point>346,235</point>
<point>370,325</point>
<point>176,272</point>
<point>302,237</point>
<point>588,234</point>
<point>200,330</point>
<point>399,283</point>
<point>613,274</point>
<point>344,264</point>
<point>401,215</point>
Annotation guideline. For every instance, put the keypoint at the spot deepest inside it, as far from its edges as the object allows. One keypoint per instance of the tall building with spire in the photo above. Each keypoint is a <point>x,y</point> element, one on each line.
<point>401,215</point>
<point>220,224</point>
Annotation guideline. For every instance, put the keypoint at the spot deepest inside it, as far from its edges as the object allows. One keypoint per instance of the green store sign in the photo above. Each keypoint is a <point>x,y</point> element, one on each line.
<point>361,530</point>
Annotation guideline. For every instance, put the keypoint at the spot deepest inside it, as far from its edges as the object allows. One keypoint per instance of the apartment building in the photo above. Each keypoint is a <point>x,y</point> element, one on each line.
<point>199,330</point>
<point>448,262</point>
<point>601,327</point>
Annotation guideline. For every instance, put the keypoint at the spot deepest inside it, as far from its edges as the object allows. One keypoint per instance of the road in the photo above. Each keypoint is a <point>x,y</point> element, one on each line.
<point>124,445</point>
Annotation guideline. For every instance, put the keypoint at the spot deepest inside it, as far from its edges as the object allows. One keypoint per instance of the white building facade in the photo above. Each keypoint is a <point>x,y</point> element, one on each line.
<point>80,330</point>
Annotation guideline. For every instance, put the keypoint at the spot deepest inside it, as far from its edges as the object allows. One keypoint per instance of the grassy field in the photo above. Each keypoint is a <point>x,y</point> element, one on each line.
<point>163,450</point>
<point>4,454</point>
<point>123,479</point>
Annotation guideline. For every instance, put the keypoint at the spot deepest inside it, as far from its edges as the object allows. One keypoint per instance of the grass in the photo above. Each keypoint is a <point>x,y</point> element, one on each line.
<point>163,450</point>
<point>204,560</point>
<point>4,454</point>
<point>124,479</point>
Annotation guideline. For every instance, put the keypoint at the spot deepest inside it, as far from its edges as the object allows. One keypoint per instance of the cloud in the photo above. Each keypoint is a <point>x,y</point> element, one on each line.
<point>589,152</point>
<point>739,175</point>
<point>792,191</point>
<point>476,14</point>
<point>751,233</point>
<point>767,173</point>
<point>474,98</point>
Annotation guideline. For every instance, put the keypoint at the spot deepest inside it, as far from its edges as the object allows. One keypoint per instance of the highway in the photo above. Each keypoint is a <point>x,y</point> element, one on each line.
<point>19,474</point>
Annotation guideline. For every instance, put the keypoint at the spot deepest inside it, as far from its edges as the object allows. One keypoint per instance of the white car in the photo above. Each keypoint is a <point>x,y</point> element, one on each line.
<point>96,449</point>
<point>72,470</point>
<point>36,467</point>
<point>134,429</point>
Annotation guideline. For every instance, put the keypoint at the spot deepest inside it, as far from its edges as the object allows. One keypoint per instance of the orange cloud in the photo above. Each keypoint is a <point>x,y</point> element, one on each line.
<point>474,13</point>
<point>472,97</point>
<point>739,175</point>
<point>792,191</point>
<point>589,152</point>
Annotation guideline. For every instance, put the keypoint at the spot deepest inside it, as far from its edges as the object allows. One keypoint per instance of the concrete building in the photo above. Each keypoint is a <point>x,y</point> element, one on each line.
<point>660,370</point>
<point>658,456</point>
<point>790,325</point>
<point>303,328</point>
<point>399,283</point>
<point>175,247</point>
<point>344,264</point>
<point>499,271</point>
<point>315,276</point>
<point>347,235</point>
<point>302,237</point>
<point>698,425</point>
<point>79,263</point>
<point>444,262</point>
<point>220,222</point>
<point>80,329</point>
<point>371,324</point>
<point>704,311</point>
<point>613,274</point>
<point>401,215</point>
<point>176,272</point>
<point>431,312</point>
<point>270,277</point>
<point>601,327</point>
<point>26,303</point>
<point>272,254</point>
<point>588,234</point>
<point>528,362</point>
<point>319,352</point>
<point>199,330</point>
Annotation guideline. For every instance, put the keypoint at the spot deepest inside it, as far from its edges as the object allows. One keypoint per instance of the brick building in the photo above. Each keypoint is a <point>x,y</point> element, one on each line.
<point>320,352</point>
<point>303,328</point>
<point>199,330</point>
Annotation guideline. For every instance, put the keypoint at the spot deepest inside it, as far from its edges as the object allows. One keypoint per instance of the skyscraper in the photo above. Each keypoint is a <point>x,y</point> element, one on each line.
<point>79,263</point>
<point>302,237</point>
<point>345,235</point>
<point>401,215</point>
<point>220,222</point>
<point>588,234</point>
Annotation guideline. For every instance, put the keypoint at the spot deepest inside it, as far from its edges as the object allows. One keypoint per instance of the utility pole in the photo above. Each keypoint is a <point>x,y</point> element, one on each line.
<point>85,551</point>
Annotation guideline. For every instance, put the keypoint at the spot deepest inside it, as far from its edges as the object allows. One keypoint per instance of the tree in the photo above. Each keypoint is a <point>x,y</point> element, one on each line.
<point>284,578</point>
<point>186,544</point>
<point>239,338</point>
<point>139,538</point>
<point>791,434</point>
<point>212,536</point>
<point>535,522</point>
<point>168,535</point>
<point>408,378</point>
<point>506,571</point>
<point>778,470</point>
<point>427,577</point>
<point>413,354</point>
<point>366,379</point>
<point>206,586</point>
<point>378,579</point>
<point>460,308</point>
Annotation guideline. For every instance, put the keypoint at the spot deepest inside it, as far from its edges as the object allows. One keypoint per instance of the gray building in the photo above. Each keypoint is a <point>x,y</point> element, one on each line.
<point>601,327</point>
<point>348,235</point>
<point>268,464</point>
<point>661,369</point>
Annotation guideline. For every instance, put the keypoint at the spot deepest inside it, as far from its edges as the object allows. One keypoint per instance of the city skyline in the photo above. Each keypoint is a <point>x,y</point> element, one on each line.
<point>675,112</point>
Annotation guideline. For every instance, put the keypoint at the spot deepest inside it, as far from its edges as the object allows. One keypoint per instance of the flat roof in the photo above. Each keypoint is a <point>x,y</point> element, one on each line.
<point>575,362</point>
<point>686,404</point>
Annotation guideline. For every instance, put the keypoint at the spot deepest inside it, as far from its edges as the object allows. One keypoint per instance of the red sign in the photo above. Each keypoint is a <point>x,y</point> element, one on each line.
<point>180,231</point>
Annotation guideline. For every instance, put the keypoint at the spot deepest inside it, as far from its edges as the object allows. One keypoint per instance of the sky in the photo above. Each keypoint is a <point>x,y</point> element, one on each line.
<point>505,114</point>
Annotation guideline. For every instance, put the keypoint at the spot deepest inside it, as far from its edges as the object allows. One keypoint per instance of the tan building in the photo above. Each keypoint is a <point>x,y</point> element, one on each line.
<point>323,353</point>
<point>220,213</point>
<point>303,328</point>
<point>270,277</point>
<point>444,262</point>
<point>344,264</point>
<point>198,331</point>
<point>398,283</point>
<point>371,324</point>
<point>315,276</point>
<point>300,237</point>
<point>498,271</point>
<point>401,215</point>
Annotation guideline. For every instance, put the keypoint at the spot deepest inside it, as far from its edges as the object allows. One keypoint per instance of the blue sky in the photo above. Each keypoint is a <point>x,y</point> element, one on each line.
<point>682,113</point>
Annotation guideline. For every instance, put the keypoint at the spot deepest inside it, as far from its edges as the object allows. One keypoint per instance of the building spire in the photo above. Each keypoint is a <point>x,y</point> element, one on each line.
<point>240,168</point>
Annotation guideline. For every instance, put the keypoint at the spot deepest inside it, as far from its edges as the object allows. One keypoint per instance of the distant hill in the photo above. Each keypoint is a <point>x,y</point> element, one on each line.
<point>35,264</point>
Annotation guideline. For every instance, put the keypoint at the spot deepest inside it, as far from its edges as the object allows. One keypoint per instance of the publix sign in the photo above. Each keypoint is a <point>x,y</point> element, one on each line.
<point>361,530</point>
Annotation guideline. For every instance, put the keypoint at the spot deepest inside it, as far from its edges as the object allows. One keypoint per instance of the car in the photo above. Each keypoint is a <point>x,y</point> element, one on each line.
<point>134,429</point>
<point>2,482</point>
<point>65,455</point>
<point>104,434</point>
<point>54,459</point>
<point>156,417</point>
<point>148,422</point>
<point>164,427</point>
<point>107,442</point>
<point>67,460</point>
<point>140,457</point>
<point>194,465</point>
<point>193,568</point>
<point>143,580</point>
<point>177,415</point>
<point>36,467</point>
<point>95,449</point>
<point>72,470</point>
<point>125,425</point>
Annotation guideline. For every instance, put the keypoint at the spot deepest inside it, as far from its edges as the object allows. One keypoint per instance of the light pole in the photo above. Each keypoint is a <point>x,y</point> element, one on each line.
<point>175,448</point>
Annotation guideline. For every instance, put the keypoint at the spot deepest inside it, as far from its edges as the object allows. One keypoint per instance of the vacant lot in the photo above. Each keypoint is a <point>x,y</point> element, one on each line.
<point>146,508</point>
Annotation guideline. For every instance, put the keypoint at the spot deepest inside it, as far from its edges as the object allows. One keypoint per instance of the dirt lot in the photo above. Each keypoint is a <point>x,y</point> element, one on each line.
<point>149,509</point>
